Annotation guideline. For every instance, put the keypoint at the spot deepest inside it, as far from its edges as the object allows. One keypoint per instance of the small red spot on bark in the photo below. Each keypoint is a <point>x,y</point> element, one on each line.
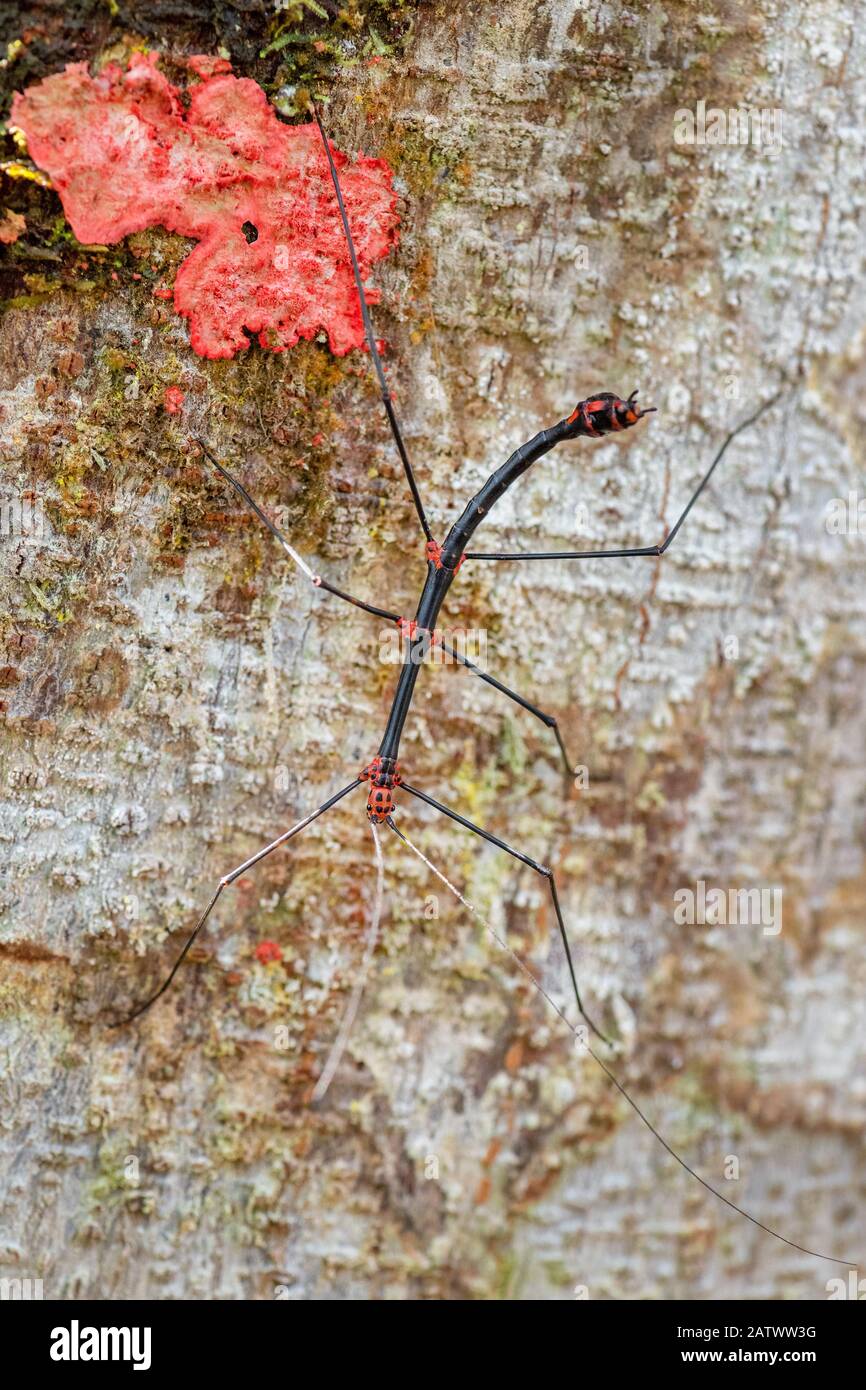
<point>124,154</point>
<point>174,399</point>
<point>268,951</point>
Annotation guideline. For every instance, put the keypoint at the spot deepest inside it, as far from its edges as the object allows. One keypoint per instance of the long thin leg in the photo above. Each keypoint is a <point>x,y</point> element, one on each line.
<point>652,550</point>
<point>524,859</point>
<point>546,719</point>
<point>224,883</point>
<point>521,964</point>
<point>371,337</point>
<point>315,579</point>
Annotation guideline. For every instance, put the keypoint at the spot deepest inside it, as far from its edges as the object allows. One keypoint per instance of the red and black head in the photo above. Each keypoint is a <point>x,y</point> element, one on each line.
<point>603,414</point>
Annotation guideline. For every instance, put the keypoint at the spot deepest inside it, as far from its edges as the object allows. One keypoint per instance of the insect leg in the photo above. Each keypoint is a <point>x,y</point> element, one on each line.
<point>614,1080</point>
<point>541,869</point>
<point>315,579</point>
<point>371,336</point>
<point>651,550</point>
<point>224,883</point>
<point>546,719</point>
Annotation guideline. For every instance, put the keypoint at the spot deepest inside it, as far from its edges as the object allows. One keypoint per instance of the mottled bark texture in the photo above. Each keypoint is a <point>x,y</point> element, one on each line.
<point>175,695</point>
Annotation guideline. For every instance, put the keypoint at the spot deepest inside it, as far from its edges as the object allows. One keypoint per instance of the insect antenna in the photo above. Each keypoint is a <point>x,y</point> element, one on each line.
<point>371,336</point>
<point>652,551</point>
<point>611,1076</point>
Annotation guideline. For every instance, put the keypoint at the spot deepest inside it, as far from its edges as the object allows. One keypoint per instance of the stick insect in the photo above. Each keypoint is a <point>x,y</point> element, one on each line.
<point>597,416</point>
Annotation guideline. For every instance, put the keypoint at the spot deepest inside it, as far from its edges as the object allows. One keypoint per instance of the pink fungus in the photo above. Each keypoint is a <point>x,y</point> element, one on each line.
<point>255,193</point>
<point>173,400</point>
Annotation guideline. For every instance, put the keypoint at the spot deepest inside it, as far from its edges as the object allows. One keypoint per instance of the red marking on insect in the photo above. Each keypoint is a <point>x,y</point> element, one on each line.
<point>173,400</point>
<point>602,414</point>
<point>256,194</point>
<point>433,551</point>
<point>268,951</point>
<point>383,775</point>
<point>409,629</point>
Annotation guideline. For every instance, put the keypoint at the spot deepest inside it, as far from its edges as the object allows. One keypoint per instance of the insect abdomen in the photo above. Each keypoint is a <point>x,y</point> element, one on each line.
<point>384,775</point>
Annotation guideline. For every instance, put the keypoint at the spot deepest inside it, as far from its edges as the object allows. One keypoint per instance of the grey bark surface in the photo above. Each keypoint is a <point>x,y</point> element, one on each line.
<point>176,696</point>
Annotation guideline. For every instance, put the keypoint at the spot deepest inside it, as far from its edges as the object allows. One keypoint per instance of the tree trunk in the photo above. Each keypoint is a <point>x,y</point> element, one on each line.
<point>176,694</point>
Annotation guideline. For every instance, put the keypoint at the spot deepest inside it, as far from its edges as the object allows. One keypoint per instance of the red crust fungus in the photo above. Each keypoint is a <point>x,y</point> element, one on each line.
<point>256,194</point>
<point>173,400</point>
<point>268,952</point>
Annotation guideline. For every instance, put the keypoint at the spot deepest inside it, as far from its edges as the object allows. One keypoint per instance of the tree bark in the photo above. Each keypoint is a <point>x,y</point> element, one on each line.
<point>176,695</point>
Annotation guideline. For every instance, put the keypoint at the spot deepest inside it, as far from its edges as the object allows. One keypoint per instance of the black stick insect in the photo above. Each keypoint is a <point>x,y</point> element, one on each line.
<point>592,418</point>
